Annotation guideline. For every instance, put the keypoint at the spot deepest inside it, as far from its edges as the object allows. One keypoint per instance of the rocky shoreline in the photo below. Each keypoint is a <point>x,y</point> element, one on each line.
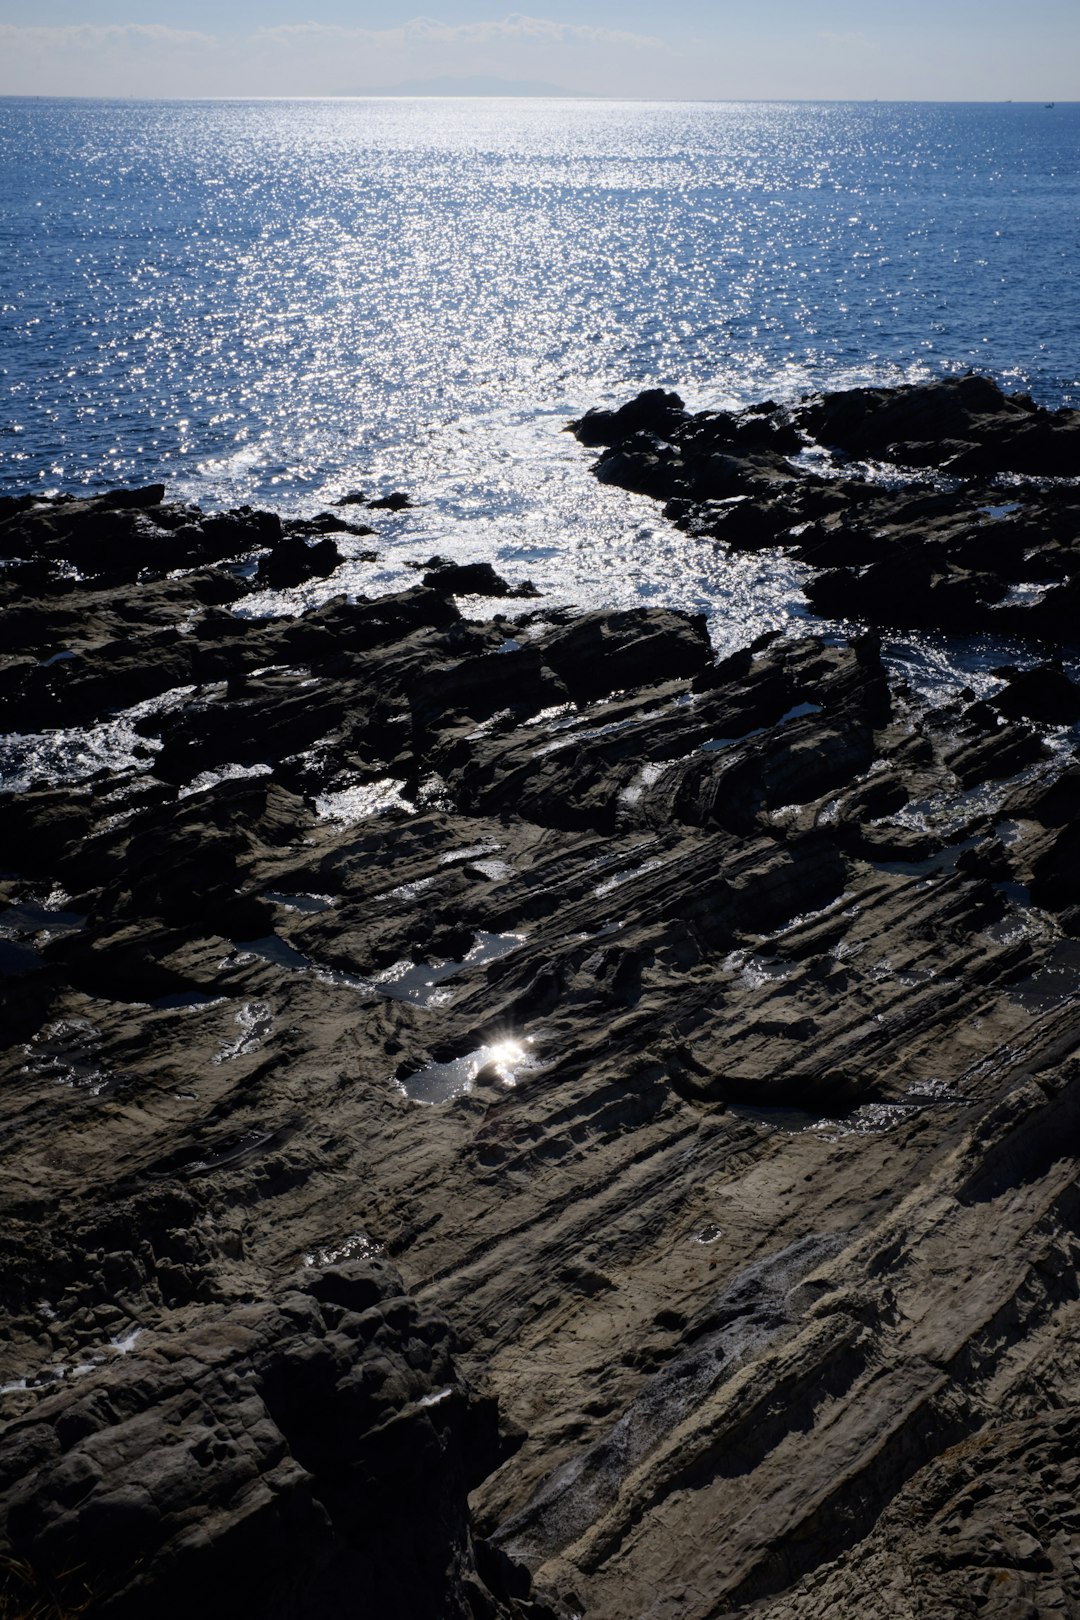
<point>505,1115</point>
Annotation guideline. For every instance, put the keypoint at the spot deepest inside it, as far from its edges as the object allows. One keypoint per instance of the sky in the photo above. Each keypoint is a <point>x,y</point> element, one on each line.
<point>936,50</point>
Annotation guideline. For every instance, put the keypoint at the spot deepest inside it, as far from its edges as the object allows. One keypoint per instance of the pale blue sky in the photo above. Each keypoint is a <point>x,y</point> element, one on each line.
<point>928,49</point>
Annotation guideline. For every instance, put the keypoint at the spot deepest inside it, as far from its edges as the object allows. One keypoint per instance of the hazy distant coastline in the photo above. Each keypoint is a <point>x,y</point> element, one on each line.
<point>474,86</point>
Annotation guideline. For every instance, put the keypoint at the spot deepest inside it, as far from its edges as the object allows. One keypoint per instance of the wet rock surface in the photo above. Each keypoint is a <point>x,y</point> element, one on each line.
<point>518,1118</point>
<point>947,505</point>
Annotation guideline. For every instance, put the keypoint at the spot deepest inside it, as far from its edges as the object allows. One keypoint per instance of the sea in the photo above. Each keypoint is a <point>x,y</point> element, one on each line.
<point>277,302</point>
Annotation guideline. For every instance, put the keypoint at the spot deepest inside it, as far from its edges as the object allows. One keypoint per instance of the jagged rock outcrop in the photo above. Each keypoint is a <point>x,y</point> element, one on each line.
<point>956,547</point>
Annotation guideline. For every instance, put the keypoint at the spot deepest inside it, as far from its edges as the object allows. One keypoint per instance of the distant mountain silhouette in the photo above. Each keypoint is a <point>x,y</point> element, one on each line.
<point>467,87</point>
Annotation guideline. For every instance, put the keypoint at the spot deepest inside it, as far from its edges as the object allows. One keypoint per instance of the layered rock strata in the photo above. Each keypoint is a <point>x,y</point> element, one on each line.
<point>512,1117</point>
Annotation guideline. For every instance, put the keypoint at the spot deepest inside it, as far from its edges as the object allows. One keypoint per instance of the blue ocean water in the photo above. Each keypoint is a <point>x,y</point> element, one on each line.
<point>278,301</point>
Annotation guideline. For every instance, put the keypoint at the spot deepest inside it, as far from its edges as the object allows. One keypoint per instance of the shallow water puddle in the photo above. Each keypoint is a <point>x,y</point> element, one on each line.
<point>937,1091</point>
<point>756,971</point>
<point>29,924</point>
<point>308,903</point>
<point>348,805</point>
<point>407,891</point>
<point>240,1148</point>
<point>797,712</point>
<point>65,1052</point>
<point>808,919</point>
<point>868,1119</point>
<point>480,858</point>
<point>120,1344</point>
<point>560,715</point>
<point>943,862</point>
<point>41,919</point>
<point>1027,592</point>
<point>223,773</point>
<point>646,777</point>
<point>1008,930</point>
<point>255,1022</point>
<point>1057,982</point>
<point>588,734</point>
<point>417,982</point>
<point>455,857</point>
<point>625,876</point>
<point>949,814</point>
<point>494,871</point>
<point>716,744</point>
<point>437,1396</point>
<point>442,1082</point>
<point>270,948</point>
<point>357,1246</point>
<point>1011,832</point>
<point>1001,510</point>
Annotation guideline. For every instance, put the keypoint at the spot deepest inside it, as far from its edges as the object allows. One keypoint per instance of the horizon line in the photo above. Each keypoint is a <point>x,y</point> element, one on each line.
<point>1048,102</point>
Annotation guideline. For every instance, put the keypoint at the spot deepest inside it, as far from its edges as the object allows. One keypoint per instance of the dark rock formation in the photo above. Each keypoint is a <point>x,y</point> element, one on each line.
<point>512,1101</point>
<point>294,560</point>
<point>473,579</point>
<point>960,553</point>
<point>963,424</point>
<point>305,1457</point>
